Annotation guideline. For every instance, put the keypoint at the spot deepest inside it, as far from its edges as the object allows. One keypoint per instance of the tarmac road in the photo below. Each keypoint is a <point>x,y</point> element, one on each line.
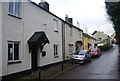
<point>103,67</point>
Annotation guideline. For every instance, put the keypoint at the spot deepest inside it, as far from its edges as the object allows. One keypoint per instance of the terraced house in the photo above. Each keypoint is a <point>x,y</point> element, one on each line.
<point>73,38</point>
<point>89,41</point>
<point>32,37</point>
<point>103,39</point>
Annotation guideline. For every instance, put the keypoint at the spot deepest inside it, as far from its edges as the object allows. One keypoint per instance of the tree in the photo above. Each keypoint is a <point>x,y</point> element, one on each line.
<point>113,10</point>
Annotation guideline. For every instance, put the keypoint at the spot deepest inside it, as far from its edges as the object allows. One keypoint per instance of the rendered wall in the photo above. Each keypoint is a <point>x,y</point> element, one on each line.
<point>41,17</point>
<point>32,20</point>
<point>70,39</point>
<point>13,31</point>
<point>100,35</point>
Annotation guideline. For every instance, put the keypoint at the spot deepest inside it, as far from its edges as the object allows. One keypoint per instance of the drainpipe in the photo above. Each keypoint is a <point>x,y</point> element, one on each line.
<point>63,43</point>
<point>1,63</point>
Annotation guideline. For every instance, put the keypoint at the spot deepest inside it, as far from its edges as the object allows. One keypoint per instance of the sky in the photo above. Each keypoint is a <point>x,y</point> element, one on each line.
<point>91,14</point>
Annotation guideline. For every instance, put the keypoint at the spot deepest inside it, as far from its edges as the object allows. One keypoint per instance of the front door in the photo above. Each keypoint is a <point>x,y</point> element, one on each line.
<point>34,58</point>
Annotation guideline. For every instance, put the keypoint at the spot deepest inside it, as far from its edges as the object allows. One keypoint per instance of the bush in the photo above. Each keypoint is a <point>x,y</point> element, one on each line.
<point>105,47</point>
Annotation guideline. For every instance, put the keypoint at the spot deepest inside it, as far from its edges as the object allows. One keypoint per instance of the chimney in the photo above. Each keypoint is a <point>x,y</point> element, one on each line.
<point>66,18</point>
<point>69,20</point>
<point>44,5</point>
<point>78,24</point>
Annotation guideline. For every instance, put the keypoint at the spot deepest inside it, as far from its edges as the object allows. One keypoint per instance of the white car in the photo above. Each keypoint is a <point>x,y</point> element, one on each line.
<point>81,56</point>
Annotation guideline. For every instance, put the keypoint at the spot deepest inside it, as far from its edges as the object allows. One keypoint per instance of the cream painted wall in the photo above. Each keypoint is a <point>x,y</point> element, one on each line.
<point>100,35</point>
<point>71,39</point>
<point>41,17</point>
<point>92,42</point>
<point>0,40</point>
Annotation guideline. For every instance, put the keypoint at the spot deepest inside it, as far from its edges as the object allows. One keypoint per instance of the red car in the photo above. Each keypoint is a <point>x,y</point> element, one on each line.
<point>95,52</point>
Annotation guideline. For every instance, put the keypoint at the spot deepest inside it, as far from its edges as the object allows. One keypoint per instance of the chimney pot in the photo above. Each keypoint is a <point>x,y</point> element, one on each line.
<point>44,5</point>
<point>69,20</point>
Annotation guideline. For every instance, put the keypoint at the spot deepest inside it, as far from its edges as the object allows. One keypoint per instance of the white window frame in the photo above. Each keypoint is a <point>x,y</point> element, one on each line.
<point>13,58</point>
<point>12,52</point>
<point>14,8</point>
<point>55,25</point>
<point>55,47</point>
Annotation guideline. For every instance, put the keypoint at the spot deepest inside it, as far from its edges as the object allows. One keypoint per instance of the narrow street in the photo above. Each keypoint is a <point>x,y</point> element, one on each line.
<point>103,67</point>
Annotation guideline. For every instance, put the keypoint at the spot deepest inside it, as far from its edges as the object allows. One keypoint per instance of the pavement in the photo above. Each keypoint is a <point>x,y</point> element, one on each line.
<point>51,72</point>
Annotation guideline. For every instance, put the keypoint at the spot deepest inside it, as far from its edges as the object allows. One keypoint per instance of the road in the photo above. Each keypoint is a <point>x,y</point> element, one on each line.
<point>103,67</point>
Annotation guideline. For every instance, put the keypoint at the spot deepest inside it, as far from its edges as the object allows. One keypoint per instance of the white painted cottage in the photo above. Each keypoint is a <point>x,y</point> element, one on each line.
<point>26,28</point>
<point>31,37</point>
<point>73,38</point>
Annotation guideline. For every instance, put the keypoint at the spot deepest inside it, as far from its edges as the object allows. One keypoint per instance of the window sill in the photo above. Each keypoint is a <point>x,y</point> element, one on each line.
<point>14,62</point>
<point>14,16</point>
<point>56,56</point>
<point>56,31</point>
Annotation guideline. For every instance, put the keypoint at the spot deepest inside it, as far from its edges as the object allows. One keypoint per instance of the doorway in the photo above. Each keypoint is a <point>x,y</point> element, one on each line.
<point>34,58</point>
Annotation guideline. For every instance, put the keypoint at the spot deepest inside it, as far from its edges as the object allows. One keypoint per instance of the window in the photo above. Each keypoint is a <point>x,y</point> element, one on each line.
<point>44,27</point>
<point>70,49</point>
<point>55,50</point>
<point>14,8</point>
<point>99,39</point>
<point>70,31</point>
<point>55,25</point>
<point>13,51</point>
<point>80,34</point>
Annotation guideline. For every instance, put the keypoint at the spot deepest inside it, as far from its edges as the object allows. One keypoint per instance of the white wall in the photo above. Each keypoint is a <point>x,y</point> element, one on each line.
<point>21,30</point>
<point>100,35</point>
<point>0,39</point>
<point>92,42</point>
<point>71,39</point>
<point>34,18</point>
<point>13,31</point>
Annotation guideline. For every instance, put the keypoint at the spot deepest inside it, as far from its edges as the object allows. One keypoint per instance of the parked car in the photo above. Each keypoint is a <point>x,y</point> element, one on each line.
<point>81,56</point>
<point>95,52</point>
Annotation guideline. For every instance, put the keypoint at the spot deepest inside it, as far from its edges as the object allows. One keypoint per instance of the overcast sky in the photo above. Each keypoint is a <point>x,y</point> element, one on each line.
<point>90,14</point>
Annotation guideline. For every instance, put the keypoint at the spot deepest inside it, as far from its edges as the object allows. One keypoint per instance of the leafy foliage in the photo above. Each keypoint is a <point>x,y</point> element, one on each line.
<point>106,44</point>
<point>113,10</point>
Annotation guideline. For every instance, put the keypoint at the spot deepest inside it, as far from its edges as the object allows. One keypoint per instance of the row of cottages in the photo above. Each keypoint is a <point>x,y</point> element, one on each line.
<point>89,42</point>
<point>73,38</point>
<point>31,37</point>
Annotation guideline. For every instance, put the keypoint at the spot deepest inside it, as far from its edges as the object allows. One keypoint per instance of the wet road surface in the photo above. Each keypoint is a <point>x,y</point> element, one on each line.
<point>103,67</point>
